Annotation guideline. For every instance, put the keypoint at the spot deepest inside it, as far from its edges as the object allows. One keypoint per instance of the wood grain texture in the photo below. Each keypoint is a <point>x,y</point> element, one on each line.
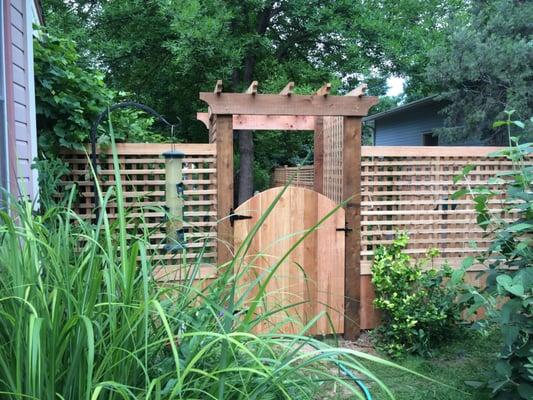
<point>266,122</point>
<point>351,192</point>
<point>224,145</point>
<point>274,104</point>
<point>313,273</point>
<point>318,154</point>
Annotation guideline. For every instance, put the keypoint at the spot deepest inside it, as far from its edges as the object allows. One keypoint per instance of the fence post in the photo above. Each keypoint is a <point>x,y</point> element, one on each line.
<point>319,155</point>
<point>222,133</point>
<point>351,188</point>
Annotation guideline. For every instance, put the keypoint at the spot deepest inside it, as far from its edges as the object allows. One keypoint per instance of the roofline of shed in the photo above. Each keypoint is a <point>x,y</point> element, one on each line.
<point>403,107</point>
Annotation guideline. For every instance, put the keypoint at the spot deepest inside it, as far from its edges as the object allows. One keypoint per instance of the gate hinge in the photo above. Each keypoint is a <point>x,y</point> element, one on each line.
<point>236,217</point>
<point>345,229</point>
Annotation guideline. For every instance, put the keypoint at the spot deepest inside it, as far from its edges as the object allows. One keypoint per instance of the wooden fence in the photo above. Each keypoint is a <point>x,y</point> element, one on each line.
<point>402,188</point>
<point>142,172</point>
<point>410,189</point>
<point>301,176</point>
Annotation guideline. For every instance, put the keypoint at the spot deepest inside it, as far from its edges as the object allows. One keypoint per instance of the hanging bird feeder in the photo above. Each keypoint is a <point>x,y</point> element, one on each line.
<point>173,175</point>
<point>174,200</point>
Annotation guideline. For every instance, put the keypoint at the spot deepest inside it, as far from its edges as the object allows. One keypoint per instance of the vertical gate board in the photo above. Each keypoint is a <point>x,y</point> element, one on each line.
<point>318,153</point>
<point>320,286</point>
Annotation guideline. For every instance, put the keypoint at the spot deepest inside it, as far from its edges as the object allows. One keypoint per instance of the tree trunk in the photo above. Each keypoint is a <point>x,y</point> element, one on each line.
<point>246,167</point>
<point>246,138</point>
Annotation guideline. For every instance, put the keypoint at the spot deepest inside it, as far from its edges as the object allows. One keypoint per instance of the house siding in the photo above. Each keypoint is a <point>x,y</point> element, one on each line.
<point>19,93</point>
<point>406,128</point>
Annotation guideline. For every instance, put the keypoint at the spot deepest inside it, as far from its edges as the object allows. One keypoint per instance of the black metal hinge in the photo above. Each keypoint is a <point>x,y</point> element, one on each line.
<point>345,229</point>
<point>236,217</point>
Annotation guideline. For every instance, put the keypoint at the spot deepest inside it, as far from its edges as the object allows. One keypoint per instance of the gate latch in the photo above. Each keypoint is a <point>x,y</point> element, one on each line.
<point>345,229</point>
<point>236,217</point>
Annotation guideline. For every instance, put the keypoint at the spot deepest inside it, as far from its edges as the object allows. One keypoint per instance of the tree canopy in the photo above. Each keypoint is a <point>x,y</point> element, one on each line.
<point>163,52</point>
<point>485,67</point>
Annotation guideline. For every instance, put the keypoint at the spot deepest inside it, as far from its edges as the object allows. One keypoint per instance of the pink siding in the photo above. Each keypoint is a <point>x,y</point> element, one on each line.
<point>17,57</point>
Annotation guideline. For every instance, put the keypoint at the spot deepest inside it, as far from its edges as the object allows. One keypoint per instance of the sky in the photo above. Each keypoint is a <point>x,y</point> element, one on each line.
<point>395,86</point>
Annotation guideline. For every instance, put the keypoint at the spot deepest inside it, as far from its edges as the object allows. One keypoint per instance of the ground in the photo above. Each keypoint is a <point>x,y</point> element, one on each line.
<point>465,359</point>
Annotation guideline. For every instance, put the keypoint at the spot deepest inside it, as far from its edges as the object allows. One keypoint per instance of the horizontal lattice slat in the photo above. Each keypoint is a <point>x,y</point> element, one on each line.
<point>301,176</point>
<point>142,172</point>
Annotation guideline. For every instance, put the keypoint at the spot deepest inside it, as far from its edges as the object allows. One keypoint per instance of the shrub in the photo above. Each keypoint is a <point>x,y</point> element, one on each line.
<point>418,307</point>
<point>510,264</point>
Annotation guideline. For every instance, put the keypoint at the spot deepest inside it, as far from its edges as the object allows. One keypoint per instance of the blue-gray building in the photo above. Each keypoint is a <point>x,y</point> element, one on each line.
<point>411,124</point>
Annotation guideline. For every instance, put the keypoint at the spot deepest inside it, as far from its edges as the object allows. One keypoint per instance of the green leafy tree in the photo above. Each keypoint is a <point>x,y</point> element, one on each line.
<point>484,68</point>
<point>166,51</point>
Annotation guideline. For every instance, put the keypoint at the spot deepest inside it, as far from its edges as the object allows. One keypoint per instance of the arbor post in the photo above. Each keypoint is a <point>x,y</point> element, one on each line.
<point>221,132</point>
<point>351,189</point>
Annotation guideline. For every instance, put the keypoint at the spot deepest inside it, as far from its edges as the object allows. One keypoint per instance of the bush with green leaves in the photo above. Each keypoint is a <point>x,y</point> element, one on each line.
<point>70,95</point>
<point>509,259</point>
<point>418,304</point>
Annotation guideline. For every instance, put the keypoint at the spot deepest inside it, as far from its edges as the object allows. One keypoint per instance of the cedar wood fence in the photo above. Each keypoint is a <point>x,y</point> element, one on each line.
<point>403,188</point>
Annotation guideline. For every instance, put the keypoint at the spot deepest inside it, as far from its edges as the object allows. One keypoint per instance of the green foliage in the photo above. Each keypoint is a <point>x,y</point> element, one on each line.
<point>510,262</point>
<point>165,52</point>
<point>52,188</point>
<point>418,306</point>
<point>485,68</point>
<point>69,96</point>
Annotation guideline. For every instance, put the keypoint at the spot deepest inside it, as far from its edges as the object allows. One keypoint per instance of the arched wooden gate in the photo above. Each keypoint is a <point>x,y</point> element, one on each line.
<point>312,276</point>
<point>288,111</point>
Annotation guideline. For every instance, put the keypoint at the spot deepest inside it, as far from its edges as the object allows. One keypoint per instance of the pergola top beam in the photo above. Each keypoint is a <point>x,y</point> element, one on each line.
<point>287,90</point>
<point>324,90</point>
<point>266,122</point>
<point>274,104</point>
<point>252,89</point>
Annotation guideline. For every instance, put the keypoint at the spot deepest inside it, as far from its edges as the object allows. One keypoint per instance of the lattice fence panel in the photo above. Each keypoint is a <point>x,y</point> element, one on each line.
<point>332,164</point>
<point>301,176</point>
<point>143,182</point>
<point>410,189</point>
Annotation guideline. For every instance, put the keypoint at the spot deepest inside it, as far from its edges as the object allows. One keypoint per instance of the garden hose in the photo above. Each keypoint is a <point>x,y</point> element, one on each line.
<point>350,375</point>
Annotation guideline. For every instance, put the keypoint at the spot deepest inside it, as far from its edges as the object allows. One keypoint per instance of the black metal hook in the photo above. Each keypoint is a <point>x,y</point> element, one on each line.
<point>98,121</point>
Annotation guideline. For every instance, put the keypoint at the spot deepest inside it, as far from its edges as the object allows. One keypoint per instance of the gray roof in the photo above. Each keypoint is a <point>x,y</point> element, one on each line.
<point>404,107</point>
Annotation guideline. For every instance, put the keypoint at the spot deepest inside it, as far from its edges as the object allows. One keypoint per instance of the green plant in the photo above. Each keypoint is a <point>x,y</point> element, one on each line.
<point>510,263</point>
<point>69,96</point>
<point>418,307</point>
<point>83,317</point>
<point>52,188</point>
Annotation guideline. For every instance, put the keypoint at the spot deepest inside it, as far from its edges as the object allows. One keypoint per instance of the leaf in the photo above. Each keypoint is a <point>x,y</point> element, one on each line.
<point>523,226</point>
<point>503,368</point>
<point>458,194</point>
<point>520,124</point>
<point>525,390</point>
<point>497,124</point>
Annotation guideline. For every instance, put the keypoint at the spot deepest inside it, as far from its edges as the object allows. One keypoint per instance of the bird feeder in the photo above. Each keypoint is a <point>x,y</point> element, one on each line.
<point>174,200</point>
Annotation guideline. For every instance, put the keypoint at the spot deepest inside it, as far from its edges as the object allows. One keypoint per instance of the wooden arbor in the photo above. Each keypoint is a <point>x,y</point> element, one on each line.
<point>288,111</point>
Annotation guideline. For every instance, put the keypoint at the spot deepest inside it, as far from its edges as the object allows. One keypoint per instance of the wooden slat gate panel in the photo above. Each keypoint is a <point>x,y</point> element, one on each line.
<point>320,256</point>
